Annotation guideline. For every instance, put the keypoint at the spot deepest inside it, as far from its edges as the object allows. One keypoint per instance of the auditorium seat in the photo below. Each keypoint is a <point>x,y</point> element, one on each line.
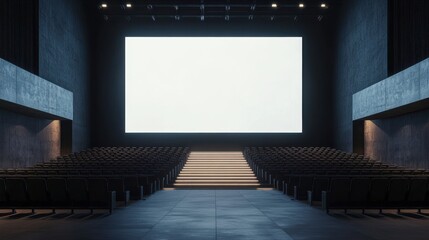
<point>117,185</point>
<point>319,184</point>
<point>57,190</point>
<point>132,184</point>
<point>304,185</point>
<point>359,190</point>
<point>78,193</point>
<point>17,193</point>
<point>378,193</point>
<point>417,193</point>
<point>3,195</point>
<point>37,193</point>
<point>99,195</point>
<point>397,195</point>
<point>338,194</point>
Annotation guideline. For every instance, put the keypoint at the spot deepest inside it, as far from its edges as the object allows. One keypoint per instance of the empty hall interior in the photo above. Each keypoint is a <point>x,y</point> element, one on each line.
<point>214,119</point>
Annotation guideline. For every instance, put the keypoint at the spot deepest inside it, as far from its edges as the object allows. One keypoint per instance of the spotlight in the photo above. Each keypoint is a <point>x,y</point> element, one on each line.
<point>301,5</point>
<point>274,5</point>
<point>103,5</point>
<point>129,5</point>
<point>323,5</point>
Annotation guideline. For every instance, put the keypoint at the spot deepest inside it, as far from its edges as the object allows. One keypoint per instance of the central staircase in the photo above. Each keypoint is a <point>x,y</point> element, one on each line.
<point>216,170</point>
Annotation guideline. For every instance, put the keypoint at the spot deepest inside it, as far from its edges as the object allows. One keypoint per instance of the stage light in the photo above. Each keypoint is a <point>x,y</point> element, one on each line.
<point>323,5</point>
<point>103,5</point>
<point>274,5</point>
<point>301,5</point>
<point>129,5</point>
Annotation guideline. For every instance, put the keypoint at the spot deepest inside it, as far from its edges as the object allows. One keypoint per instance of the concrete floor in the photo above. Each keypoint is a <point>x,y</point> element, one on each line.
<point>215,214</point>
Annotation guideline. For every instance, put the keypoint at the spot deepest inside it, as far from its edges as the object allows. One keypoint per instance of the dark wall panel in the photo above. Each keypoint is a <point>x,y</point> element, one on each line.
<point>18,33</point>
<point>408,33</point>
<point>65,58</point>
<point>361,59</point>
<point>109,87</point>
<point>401,140</point>
<point>25,141</point>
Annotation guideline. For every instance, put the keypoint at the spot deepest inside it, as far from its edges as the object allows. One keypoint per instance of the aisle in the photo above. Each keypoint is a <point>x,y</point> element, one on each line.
<point>215,214</point>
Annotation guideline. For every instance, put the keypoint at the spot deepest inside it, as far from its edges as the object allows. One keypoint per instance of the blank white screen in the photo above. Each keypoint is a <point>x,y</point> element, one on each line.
<point>213,85</point>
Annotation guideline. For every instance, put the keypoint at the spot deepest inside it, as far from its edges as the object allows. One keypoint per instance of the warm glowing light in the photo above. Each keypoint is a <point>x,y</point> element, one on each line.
<point>301,5</point>
<point>129,5</point>
<point>104,5</point>
<point>323,5</point>
<point>274,5</point>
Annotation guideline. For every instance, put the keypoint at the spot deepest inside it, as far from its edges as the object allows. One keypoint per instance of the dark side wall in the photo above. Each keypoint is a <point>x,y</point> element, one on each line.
<point>366,48</point>
<point>361,59</point>
<point>65,59</point>
<point>109,104</point>
<point>63,56</point>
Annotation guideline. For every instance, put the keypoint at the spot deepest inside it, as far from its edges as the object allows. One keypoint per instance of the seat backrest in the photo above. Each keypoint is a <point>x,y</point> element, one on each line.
<point>3,196</point>
<point>320,184</point>
<point>379,189</point>
<point>16,190</point>
<point>131,183</point>
<point>97,189</point>
<point>116,184</point>
<point>37,190</point>
<point>57,190</point>
<point>418,190</point>
<point>306,183</point>
<point>398,190</point>
<point>339,189</point>
<point>359,189</point>
<point>77,189</point>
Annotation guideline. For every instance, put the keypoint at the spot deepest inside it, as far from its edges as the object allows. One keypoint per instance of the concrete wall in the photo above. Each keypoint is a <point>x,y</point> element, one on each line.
<point>25,141</point>
<point>401,140</point>
<point>361,59</point>
<point>64,58</point>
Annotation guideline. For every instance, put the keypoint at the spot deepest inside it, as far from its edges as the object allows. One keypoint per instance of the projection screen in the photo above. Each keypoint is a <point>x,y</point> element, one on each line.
<point>213,84</point>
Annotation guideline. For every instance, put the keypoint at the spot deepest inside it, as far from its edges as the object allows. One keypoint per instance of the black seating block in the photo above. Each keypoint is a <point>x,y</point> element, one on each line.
<point>37,192</point>
<point>417,192</point>
<point>359,190</point>
<point>338,195</point>
<point>99,195</point>
<point>304,185</point>
<point>3,195</point>
<point>319,184</point>
<point>398,191</point>
<point>378,193</point>
<point>136,190</point>
<point>16,190</point>
<point>57,190</point>
<point>117,185</point>
<point>78,192</point>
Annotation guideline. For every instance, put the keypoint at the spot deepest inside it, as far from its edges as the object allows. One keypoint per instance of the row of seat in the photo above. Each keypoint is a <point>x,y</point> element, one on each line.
<point>56,193</point>
<point>91,179</point>
<point>377,185</point>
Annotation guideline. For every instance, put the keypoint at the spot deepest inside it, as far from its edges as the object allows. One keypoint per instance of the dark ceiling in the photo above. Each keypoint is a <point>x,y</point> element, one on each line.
<point>211,9</point>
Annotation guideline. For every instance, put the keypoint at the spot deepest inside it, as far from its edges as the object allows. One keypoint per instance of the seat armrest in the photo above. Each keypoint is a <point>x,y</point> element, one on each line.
<point>325,200</point>
<point>310,197</point>
<point>127,197</point>
<point>141,193</point>
<point>112,201</point>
